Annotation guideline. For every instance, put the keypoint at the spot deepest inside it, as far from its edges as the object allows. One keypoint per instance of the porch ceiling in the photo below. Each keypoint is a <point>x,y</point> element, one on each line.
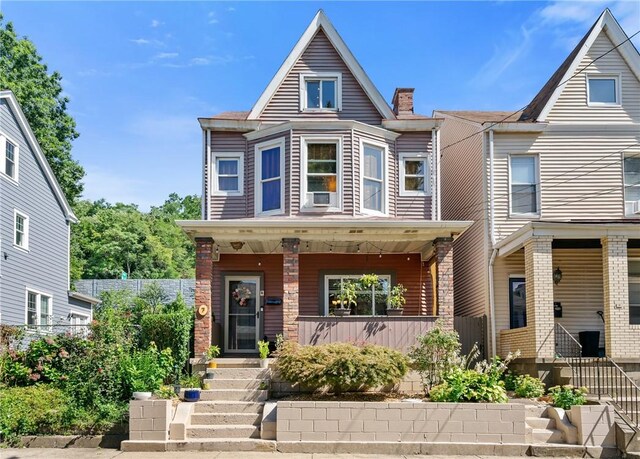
<point>567,230</point>
<point>322,235</point>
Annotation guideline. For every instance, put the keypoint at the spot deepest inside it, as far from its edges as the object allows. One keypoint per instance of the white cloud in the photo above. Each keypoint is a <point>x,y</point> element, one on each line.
<point>231,9</point>
<point>156,23</point>
<point>165,56</point>
<point>145,41</point>
<point>213,17</point>
<point>101,183</point>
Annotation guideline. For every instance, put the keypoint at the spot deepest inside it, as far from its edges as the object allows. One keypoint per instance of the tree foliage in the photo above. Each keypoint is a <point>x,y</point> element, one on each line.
<point>41,96</point>
<point>115,238</point>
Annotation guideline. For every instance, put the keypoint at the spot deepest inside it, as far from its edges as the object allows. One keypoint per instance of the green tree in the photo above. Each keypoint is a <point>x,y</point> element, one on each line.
<point>40,95</point>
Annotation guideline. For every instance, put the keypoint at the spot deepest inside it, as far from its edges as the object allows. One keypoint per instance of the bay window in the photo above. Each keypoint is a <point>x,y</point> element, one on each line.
<point>321,187</point>
<point>373,179</point>
<point>269,196</point>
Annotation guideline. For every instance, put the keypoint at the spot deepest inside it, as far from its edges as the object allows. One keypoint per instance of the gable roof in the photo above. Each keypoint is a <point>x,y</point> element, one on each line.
<point>40,157</point>
<point>542,103</point>
<point>320,21</point>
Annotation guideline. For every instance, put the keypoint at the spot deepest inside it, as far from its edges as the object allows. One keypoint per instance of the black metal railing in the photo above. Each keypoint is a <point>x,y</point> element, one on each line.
<point>566,344</point>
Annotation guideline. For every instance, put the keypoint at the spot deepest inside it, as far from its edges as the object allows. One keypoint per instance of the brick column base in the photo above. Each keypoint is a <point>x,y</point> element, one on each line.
<point>538,267</point>
<point>444,280</point>
<point>204,281</point>
<point>291,285</point>
<point>620,341</point>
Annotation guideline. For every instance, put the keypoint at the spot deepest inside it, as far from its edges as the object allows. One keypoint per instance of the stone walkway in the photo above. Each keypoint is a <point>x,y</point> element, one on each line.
<point>79,453</point>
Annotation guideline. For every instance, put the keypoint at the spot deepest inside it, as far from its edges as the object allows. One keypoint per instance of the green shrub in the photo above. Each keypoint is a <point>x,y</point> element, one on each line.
<point>461,385</point>
<point>567,396</point>
<point>510,380</point>
<point>165,393</point>
<point>171,329</point>
<point>32,410</point>
<point>191,382</point>
<point>146,370</point>
<point>340,367</point>
<point>528,387</point>
<point>435,354</point>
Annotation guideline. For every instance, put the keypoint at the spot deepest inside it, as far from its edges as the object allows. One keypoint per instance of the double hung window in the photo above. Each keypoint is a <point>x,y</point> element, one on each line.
<point>8,158</point>
<point>20,230</point>
<point>414,176</point>
<point>373,179</point>
<point>631,167</point>
<point>321,170</point>
<point>524,185</point>
<point>634,291</point>
<point>369,302</point>
<point>228,174</point>
<point>39,310</point>
<point>269,199</point>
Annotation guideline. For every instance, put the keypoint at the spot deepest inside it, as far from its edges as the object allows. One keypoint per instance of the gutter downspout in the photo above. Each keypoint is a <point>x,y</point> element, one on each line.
<point>492,304</point>
<point>433,179</point>
<point>438,200</point>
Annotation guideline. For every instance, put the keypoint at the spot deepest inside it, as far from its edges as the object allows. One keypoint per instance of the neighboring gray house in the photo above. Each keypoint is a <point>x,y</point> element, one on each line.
<point>35,221</point>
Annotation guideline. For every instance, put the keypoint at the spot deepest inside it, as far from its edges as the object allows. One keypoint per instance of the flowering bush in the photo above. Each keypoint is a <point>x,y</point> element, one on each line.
<point>567,396</point>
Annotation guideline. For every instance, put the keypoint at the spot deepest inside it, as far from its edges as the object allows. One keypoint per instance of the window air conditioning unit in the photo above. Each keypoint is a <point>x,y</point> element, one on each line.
<point>321,199</point>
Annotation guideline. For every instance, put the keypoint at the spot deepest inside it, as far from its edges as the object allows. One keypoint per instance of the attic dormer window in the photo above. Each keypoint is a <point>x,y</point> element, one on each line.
<point>603,89</point>
<point>321,92</point>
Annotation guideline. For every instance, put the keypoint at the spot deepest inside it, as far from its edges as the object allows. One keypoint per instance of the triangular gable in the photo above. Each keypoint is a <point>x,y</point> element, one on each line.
<point>40,157</point>
<point>543,102</point>
<point>320,21</point>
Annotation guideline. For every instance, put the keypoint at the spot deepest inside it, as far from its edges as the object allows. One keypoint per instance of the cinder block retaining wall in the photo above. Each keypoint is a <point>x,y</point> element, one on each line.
<point>401,421</point>
<point>150,419</point>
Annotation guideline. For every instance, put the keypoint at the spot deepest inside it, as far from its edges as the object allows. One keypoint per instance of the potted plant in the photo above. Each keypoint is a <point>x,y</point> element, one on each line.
<point>263,348</point>
<point>191,386</point>
<point>347,297</point>
<point>212,353</point>
<point>396,301</point>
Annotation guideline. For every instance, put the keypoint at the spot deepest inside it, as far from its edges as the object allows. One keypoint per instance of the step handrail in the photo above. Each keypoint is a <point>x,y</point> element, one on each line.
<point>566,344</point>
<point>603,377</point>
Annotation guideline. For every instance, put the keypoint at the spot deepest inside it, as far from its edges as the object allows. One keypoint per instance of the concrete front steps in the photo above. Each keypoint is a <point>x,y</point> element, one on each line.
<point>229,412</point>
<point>540,428</point>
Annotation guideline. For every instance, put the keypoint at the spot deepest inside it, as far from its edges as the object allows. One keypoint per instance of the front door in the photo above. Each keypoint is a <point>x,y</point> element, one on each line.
<point>242,304</point>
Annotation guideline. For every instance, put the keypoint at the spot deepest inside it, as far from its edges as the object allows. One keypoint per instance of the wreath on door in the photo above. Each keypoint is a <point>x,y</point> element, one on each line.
<point>242,294</point>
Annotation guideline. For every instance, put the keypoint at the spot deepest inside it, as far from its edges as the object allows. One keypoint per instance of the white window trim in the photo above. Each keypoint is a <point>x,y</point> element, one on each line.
<point>213,183</point>
<point>347,276</point>
<point>605,76</point>
<point>635,279</point>
<point>3,157</point>
<point>525,215</point>
<point>86,314</point>
<point>385,177</point>
<point>402,157</point>
<point>258,174</point>
<point>24,247</point>
<point>624,188</point>
<point>304,142</point>
<point>320,75</point>
<point>38,294</point>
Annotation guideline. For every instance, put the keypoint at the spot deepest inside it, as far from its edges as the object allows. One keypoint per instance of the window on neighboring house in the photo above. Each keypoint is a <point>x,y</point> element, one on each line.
<point>269,177</point>
<point>631,168</point>
<point>524,185</point>
<point>39,311</point>
<point>373,178</point>
<point>371,302</point>
<point>79,323</point>
<point>228,174</point>
<point>322,179</point>
<point>321,91</point>
<point>414,176</point>
<point>517,303</point>
<point>603,90</point>
<point>21,230</point>
<point>10,160</point>
<point>634,291</point>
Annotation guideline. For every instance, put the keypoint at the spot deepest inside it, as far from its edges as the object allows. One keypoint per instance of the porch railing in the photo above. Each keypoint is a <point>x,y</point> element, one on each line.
<point>396,332</point>
<point>566,344</point>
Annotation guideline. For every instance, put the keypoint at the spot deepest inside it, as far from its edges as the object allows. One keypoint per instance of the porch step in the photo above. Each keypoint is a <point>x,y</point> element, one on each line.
<point>547,436</point>
<point>234,394</point>
<point>236,383</point>
<point>221,406</point>
<point>223,431</point>
<point>209,419</point>
<point>238,362</point>
<point>540,423</point>
<point>238,373</point>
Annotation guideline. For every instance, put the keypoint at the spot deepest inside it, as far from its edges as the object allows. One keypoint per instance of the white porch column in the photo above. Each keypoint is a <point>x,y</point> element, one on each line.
<point>539,286</point>
<point>619,338</point>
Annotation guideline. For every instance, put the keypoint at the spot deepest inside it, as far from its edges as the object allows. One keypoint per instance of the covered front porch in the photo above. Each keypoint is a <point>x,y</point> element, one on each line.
<point>558,284</point>
<point>257,278</point>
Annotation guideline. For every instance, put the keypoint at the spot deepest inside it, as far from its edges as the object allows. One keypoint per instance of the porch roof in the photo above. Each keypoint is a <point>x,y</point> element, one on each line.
<point>587,229</point>
<point>325,235</point>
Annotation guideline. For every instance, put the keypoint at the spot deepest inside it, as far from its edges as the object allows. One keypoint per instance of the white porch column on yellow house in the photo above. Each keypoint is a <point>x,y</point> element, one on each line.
<point>620,341</point>
<point>539,287</point>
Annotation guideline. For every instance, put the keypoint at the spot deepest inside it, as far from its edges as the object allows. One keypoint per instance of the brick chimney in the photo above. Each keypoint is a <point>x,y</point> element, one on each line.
<point>403,101</point>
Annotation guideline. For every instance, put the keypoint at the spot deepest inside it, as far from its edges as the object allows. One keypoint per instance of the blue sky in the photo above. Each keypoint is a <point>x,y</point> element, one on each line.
<point>139,74</point>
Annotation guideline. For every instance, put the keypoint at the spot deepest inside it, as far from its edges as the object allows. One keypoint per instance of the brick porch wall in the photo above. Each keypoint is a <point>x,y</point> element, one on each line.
<point>444,274</point>
<point>204,275</point>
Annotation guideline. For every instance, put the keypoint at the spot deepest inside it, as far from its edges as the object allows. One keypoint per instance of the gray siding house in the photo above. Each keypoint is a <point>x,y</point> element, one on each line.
<point>35,221</point>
